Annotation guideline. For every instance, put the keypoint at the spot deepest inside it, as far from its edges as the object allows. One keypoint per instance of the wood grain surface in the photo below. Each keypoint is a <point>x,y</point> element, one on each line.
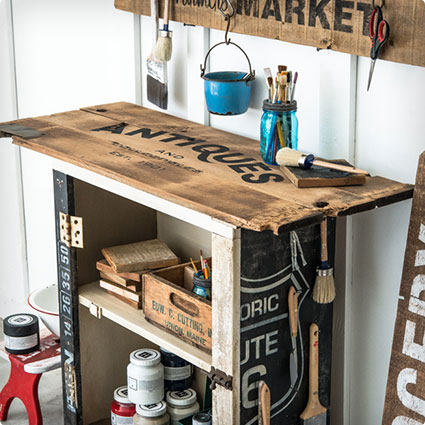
<point>202,168</point>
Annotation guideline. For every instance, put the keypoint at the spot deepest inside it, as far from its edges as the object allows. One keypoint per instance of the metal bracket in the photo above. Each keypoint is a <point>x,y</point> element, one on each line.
<point>71,230</point>
<point>219,377</point>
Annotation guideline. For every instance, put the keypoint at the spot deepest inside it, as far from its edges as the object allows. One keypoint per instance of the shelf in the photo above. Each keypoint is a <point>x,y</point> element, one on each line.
<point>132,319</point>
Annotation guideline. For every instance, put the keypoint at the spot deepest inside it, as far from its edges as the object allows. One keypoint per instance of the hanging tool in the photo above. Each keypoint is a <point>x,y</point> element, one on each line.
<point>157,77</point>
<point>324,286</point>
<point>164,44</point>
<point>293,325</point>
<point>314,413</point>
<point>263,404</point>
<point>292,158</point>
<point>379,31</point>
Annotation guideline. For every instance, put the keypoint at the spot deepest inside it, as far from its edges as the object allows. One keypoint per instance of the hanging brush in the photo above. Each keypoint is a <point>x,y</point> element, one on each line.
<point>324,286</point>
<point>164,45</point>
<point>292,158</point>
<point>269,82</point>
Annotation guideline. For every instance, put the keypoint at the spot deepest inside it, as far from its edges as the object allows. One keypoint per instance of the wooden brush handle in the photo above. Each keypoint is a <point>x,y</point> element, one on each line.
<point>293,311</point>
<point>166,11</point>
<point>324,239</point>
<point>313,407</point>
<point>263,404</point>
<point>339,167</point>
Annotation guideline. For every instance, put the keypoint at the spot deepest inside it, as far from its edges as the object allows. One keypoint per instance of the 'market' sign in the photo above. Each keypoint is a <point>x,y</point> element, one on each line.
<point>405,399</point>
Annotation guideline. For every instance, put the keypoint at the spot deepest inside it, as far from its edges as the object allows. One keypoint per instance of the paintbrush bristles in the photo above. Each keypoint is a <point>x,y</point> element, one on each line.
<point>288,157</point>
<point>163,48</point>
<point>324,289</point>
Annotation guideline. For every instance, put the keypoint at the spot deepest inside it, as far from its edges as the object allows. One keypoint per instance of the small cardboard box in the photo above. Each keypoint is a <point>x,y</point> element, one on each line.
<point>168,302</point>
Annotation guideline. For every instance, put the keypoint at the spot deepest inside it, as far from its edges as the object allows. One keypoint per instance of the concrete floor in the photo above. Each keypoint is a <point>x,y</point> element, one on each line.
<point>49,392</point>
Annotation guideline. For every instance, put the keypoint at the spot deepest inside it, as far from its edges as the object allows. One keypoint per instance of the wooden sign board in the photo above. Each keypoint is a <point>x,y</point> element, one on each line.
<point>405,398</point>
<point>339,25</point>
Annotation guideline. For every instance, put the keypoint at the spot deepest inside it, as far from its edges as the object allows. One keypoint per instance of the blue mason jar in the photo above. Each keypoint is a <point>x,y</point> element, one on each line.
<point>178,372</point>
<point>201,286</point>
<point>279,128</point>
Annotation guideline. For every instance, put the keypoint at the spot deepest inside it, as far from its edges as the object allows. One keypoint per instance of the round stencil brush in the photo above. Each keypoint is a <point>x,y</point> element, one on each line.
<point>292,158</point>
<point>164,44</point>
<point>324,286</point>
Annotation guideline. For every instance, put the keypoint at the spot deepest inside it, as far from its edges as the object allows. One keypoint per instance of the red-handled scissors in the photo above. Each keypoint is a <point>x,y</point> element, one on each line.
<point>379,31</point>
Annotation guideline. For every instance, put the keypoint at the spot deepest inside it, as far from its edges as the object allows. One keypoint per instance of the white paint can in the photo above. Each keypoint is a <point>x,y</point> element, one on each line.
<point>152,414</point>
<point>145,377</point>
<point>21,333</point>
<point>181,404</point>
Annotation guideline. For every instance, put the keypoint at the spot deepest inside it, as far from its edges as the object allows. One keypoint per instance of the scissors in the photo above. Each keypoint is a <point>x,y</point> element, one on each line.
<point>379,31</point>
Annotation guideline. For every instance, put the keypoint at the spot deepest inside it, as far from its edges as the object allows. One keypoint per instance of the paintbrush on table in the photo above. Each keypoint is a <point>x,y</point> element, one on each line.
<point>314,413</point>
<point>291,158</point>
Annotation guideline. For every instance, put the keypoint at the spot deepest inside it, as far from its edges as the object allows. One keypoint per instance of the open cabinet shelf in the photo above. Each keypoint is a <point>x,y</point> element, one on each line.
<point>130,318</point>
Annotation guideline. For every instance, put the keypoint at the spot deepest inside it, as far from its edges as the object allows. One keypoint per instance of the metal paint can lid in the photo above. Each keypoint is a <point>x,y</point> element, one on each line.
<point>183,398</point>
<point>151,410</point>
<point>202,419</point>
<point>21,324</point>
<point>121,395</point>
<point>145,357</point>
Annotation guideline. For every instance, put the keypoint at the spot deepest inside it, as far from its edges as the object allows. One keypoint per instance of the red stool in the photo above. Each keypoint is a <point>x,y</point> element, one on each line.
<point>25,374</point>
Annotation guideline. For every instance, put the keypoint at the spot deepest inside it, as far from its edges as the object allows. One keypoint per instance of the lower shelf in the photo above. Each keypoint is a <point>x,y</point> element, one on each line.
<point>134,320</point>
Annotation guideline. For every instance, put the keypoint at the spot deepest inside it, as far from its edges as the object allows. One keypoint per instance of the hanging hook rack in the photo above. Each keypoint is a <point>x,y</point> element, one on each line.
<point>381,6</point>
<point>227,17</point>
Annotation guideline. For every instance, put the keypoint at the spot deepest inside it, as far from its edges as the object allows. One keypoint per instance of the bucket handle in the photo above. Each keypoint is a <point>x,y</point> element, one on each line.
<point>247,77</point>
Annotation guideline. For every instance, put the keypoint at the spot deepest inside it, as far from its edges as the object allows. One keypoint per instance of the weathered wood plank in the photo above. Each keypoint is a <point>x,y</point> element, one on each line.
<point>205,169</point>
<point>331,24</point>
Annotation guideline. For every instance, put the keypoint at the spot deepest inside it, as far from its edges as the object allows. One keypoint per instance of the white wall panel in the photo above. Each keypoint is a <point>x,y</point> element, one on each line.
<point>71,54</point>
<point>13,268</point>
<point>390,136</point>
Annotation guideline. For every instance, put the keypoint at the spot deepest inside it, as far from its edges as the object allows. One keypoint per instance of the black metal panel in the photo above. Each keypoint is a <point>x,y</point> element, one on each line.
<point>68,305</point>
<point>266,276</point>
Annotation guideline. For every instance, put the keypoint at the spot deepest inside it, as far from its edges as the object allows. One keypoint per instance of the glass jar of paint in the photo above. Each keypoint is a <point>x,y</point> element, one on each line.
<point>122,409</point>
<point>177,371</point>
<point>181,404</point>
<point>152,414</point>
<point>202,419</point>
<point>201,286</point>
<point>279,128</point>
<point>145,377</point>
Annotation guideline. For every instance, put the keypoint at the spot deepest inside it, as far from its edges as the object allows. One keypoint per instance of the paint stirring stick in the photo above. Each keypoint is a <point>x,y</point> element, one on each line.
<point>293,88</point>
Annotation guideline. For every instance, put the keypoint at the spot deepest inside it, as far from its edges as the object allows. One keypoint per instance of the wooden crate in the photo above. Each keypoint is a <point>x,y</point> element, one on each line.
<point>169,303</point>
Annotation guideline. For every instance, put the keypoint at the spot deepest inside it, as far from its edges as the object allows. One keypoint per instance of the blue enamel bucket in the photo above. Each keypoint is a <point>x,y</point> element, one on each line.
<point>227,92</point>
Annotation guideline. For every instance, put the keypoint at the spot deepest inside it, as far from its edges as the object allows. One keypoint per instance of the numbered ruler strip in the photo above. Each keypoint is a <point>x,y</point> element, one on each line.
<point>68,305</point>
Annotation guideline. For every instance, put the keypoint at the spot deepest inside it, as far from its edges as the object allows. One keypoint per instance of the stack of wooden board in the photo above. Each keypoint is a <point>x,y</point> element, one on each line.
<point>123,267</point>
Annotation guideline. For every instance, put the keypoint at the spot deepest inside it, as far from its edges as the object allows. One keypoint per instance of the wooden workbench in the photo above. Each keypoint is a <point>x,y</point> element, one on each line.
<point>215,181</point>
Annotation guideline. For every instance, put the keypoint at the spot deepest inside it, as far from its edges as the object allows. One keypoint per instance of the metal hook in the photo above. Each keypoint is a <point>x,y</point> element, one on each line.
<point>227,41</point>
<point>227,16</point>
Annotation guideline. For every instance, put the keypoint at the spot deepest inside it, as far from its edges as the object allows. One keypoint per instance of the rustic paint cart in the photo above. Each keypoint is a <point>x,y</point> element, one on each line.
<point>117,166</point>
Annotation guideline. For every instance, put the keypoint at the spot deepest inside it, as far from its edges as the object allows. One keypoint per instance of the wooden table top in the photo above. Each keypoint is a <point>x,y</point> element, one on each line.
<point>202,168</point>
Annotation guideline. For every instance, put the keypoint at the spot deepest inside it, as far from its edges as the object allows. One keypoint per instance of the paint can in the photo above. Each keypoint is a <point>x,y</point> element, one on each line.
<point>227,92</point>
<point>145,377</point>
<point>177,371</point>
<point>202,419</point>
<point>122,409</point>
<point>181,404</point>
<point>152,414</point>
<point>21,333</point>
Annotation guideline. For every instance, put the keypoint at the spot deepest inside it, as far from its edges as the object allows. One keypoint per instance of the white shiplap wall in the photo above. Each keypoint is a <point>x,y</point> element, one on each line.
<point>72,54</point>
